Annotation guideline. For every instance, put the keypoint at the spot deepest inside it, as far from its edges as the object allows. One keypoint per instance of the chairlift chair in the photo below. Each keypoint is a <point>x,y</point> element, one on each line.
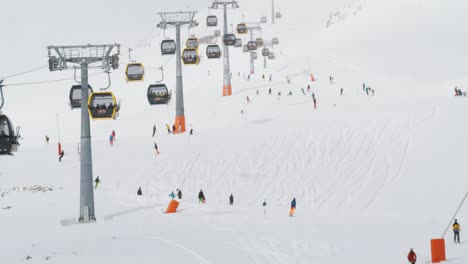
<point>213,52</point>
<point>252,45</point>
<point>275,41</point>
<point>259,42</point>
<point>238,43</point>
<point>211,21</point>
<point>190,57</point>
<point>192,43</point>
<point>168,47</point>
<point>271,56</point>
<point>102,106</point>
<point>158,94</point>
<point>245,48</point>
<point>75,95</point>
<point>135,72</point>
<point>8,139</point>
<point>241,28</point>
<point>278,15</point>
<point>265,52</point>
<point>229,39</point>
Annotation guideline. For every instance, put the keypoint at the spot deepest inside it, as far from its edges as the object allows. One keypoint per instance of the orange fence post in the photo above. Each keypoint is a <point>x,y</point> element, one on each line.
<point>172,208</point>
<point>438,250</point>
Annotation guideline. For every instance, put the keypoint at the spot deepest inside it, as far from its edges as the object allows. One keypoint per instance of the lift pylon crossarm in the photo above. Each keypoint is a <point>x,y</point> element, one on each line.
<point>60,55</point>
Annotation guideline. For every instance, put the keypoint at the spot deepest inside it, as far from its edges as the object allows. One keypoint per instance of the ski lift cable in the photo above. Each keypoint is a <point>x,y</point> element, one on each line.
<point>22,73</point>
<point>49,81</point>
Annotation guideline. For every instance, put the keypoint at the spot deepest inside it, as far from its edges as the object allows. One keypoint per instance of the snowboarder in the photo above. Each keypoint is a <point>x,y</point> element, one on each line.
<point>173,129</point>
<point>315,103</point>
<point>172,195</point>
<point>61,155</point>
<point>113,135</point>
<point>248,99</point>
<point>341,92</point>
<point>269,91</point>
<point>191,130</point>
<point>412,256</point>
<point>156,148</point>
<point>293,207</point>
<point>231,199</point>
<point>154,130</point>
<point>313,96</point>
<point>456,232</point>
<point>331,79</point>
<point>179,194</point>
<point>201,197</point>
<point>139,192</point>
<point>168,129</point>
<point>97,181</point>
<point>308,88</point>
<point>248,77</point>
<point>263,76</point>
<point>363,86</point>
<point>47,139</point>
<point>111,140</point>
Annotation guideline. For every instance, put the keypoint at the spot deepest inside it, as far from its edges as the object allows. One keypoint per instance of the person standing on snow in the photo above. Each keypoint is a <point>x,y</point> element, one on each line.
<point>47,139</point>
<point>139,192</point>
<point>156,148</point>
<point>201,197</point>
<point>172,195</point>
<point>154,130</point>
<point>264,207</point>
<point>173,129</point>
<point>61,155</point>
<point>269,91</point>
<point>456,232</point>
<point>412,256</point>
<point>248,99</point>
<point>231,199</point>
<point>293,207</point>
<point>111,140</point>
<point>270,77</point>
<point>113,135</point>
<point>168,129</point>
<point>341,92</point>
<point>179,194</point>
<point>97,181</point>
<point>263,76</point>
<point>315,103</point>
<point>308,88</point>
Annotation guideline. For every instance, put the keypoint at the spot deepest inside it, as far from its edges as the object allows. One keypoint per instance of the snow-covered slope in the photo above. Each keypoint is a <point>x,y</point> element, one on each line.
<point>373,175</point>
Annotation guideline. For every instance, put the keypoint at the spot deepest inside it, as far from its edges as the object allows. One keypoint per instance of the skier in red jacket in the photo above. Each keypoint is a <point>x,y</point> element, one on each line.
<point>412,256</point>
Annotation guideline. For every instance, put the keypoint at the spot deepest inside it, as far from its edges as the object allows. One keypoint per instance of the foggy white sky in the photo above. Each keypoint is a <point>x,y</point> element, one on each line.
<point>27,27</point>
